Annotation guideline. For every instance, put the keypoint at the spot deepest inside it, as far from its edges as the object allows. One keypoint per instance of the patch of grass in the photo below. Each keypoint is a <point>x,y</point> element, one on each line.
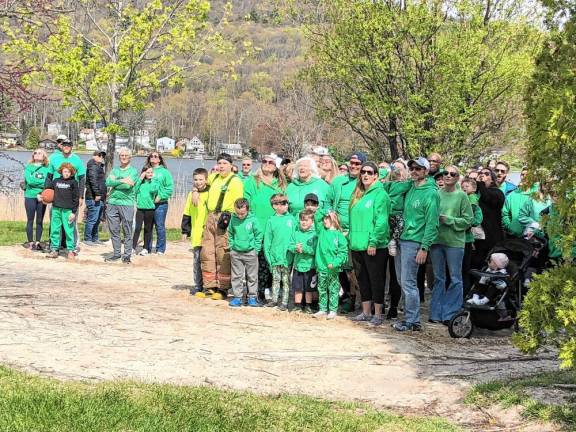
<point>30,403</point>
<point>12,233</point>
<point>516,392</point>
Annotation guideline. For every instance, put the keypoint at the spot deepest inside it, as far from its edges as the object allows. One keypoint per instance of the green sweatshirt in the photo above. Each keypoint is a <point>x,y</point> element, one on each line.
<point>304,261</point>
<point>332,249</point>
<point>57,158</point>
<point>297,190</point>
<point>35,178</point>
<point>397,191</point>
<point>165,183</point>
<point>511,210</point>
<point>530,212</point>
<point>245,235</point>
<point>146,192</point>
<point>243,177</point>
<point>258,195</point>
<point>339,196</point>
<point>477,216</point>
<point>421,214</point>
<point>369,220</point>
<point>456,208</point>
<point>121,193</point>
<point>277,237</point>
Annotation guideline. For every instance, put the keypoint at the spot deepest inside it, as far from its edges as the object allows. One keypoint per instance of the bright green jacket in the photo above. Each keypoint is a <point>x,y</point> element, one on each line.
<point>477,218</point>
<point>421,214</point>
<point>165,182</point>
<point>332,249</point>
<point>245,235</point>
<point>277,237</point>
<point>457,210</point>
<point>244,178</point>
<point>511,210</point>
<point>369,220</point>
<point>397,191</point>
<point>297,190</point>
<point>530,212</point>
<point>146,192</point>
<point>35,178</point>
<point>339,196</point>
<point>304,261</point>
<point>120,193</point>
<point>57,158</point>
<point>258,195</point>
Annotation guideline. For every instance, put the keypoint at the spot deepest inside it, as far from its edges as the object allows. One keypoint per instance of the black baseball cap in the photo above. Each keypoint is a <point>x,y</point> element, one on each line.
<point>99,153</point>
<point>311,197</point>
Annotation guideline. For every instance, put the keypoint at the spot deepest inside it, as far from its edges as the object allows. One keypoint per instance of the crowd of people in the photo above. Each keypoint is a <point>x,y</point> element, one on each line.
<point>306,236</point>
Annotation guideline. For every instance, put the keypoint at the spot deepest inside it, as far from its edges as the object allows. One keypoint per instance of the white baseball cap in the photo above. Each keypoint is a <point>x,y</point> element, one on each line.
<point>320,151</point>
<point>61,137</point>
<point>420,161</point>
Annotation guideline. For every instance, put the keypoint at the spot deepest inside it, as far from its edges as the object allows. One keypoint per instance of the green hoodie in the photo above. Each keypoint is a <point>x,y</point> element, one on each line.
<point>146,192</point>
<point>165,183</point>
<point>341,190</point>
<point>332,249</point>
<point>258,195</point>
<point>511,210</point>
<point>277,237</point>
<point>57,158</point>
<point>121,194</point>
<point>304,261</point>
<point>457,210</point>
<point>369,220</point>
<point>476,219</point>
<point>243,177</point>
<point>297,190</point>
<point>530,212</point>
<point>35,178</point>
<point>421,214</point>
<point>397,191</point>
<point>245,235</point>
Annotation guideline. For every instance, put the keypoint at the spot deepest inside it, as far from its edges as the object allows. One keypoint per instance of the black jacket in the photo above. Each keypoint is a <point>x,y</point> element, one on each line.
<point>95,180</point>
<point>66,193</point>
<point>491,203</point>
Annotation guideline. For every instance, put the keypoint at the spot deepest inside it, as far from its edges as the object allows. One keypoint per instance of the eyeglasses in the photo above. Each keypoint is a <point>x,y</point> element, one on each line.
<point>504,171</point>
<point>284,202</point>
<point>369,172</point>
<point>353,163</point>
<point>269,162</point>
<point>451,174</point>
<point>416,168</point>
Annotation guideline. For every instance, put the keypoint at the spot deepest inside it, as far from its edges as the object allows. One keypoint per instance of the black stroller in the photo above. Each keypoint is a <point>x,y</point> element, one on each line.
<point>520,253</point>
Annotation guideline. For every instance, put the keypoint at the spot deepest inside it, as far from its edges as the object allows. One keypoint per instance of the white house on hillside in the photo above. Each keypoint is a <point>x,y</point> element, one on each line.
<point>165,144</point>
<point>231,149</point>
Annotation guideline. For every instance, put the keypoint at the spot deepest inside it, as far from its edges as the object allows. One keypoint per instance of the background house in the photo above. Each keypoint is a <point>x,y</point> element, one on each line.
<point>165,144</point>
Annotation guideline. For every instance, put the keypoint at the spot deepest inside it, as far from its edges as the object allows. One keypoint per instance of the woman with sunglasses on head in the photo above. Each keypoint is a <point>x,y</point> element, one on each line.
<point>258,189</point>
<point>35,175</point>
<point>163,178</point>
<point>369,236</point>
<point>448,249</point>
<point>491,202</point>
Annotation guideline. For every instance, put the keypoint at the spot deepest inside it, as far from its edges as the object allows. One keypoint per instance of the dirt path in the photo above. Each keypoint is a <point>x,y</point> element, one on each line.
<point>96,321</point>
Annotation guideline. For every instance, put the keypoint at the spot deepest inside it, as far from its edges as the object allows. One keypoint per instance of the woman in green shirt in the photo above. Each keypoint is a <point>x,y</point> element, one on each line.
<point>35,175</point>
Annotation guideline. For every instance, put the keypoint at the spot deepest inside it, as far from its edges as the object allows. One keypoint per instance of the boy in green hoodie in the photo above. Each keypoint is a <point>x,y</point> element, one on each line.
<point>245,242</point>
<point>303,246</point>
<point>277,236</point>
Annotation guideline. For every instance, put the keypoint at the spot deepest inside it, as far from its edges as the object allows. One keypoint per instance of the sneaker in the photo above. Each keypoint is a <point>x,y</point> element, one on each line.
<point>253,302</point>
<point>331,315</point>
<point>308,310</point>
<point>392,314</point>
<point>89,243</point>
<point>404,326</point>
<point>126,260</point>
<point>235,302</point>
<point>200,294</point>
<point>160,253</point>
<point>473,300</point>
<point>392,248</point>
<point>71,255</point>
<point>482,301</point>
<point>376,321</point>
<point>217,296</point>
<point>143,252</point>
<point>267,294</point>
<point>283,307</point>
<point>362,317</point>
<point>319,314</point>
<point>113,258</point>
<point>52,254</point>
<point>271,304</point>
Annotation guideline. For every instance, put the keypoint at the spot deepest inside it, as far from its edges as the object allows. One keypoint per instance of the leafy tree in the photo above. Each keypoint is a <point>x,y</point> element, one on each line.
<point>549,314</point>
<point>33,139</point>
<point>122,55</point>
<point>410,77</point>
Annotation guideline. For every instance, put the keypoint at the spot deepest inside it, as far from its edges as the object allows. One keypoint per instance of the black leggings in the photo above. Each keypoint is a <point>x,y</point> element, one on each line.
<point>34,209</point>
<point>393,285</point>
<point>145,217</point>
<point>371,274</point>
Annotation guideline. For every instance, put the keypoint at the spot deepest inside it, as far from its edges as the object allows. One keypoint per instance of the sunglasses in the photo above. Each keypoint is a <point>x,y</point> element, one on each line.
<point>500,170</point>
<point>247,165</point>
<point>486,173</point>
<point>451,174</point>
<point>284,202</point>
<point>269,162</point>
<point>355,163</point>
<point>154,157</point>
<point>369,172</point>
<point>416,168</point>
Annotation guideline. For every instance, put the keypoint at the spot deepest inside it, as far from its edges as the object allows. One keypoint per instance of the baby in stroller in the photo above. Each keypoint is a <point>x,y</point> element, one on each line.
<point>490,288</point>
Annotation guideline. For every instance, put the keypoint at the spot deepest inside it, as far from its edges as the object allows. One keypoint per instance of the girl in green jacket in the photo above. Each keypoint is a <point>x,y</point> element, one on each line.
<point>146,195</point>
<point>34,179</point>
<point>369,236</point>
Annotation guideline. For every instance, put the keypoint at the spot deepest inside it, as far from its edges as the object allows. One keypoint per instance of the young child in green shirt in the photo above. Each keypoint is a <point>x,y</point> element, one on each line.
<point>303,246</point>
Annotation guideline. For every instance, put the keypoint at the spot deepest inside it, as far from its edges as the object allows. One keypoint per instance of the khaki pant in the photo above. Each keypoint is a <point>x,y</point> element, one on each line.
<point>215,256</point>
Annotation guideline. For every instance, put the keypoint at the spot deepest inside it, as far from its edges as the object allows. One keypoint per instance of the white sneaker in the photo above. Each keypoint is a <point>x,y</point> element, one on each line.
<point>267,294</point>
<point>160,253</point>
<point>392,249</point>
<point>143,252</point>
<point>331,315</point>
<point>473,300</point>
<point>482,301</point>
<point>319,314</point>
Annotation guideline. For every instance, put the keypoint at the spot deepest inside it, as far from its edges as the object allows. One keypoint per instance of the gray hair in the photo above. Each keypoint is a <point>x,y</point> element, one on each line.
<point>125,150</point>
<point>313,167</point>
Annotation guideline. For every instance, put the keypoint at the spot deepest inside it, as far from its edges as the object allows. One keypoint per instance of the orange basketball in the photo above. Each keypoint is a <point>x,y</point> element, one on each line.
<point>47,196</point>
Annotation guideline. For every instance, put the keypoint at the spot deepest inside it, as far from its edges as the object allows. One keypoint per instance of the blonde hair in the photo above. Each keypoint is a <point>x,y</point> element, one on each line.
<point>278,173</point>
<point>333,220</point>
<point>45,161</point>
<point>334,171</point>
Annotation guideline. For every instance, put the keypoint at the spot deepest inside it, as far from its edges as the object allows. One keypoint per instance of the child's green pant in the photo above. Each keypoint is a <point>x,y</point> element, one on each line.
<point>280,275</point>
<point>60,219</point>
<point>328,291</point>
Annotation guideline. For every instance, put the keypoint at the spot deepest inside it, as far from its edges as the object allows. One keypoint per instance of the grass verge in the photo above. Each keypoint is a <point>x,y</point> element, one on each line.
<point>12,233</point>
<point>31,403</point>
<point>560,386</point>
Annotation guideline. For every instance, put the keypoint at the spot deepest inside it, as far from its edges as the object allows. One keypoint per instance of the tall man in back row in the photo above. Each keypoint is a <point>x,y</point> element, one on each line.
<point>225,188</point>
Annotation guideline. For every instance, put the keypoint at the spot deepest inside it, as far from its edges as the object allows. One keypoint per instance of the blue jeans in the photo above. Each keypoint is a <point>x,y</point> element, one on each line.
<point>160,223</point>
<point>93,216</point>
<point>408,278</point>
<point>446,302</point>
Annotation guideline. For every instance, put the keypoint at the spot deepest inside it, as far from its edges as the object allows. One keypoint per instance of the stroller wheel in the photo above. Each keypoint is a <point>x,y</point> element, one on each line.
<point>461,325</point>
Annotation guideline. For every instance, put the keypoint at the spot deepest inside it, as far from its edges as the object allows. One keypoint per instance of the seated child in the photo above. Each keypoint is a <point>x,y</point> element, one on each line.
<point>488,289</point>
